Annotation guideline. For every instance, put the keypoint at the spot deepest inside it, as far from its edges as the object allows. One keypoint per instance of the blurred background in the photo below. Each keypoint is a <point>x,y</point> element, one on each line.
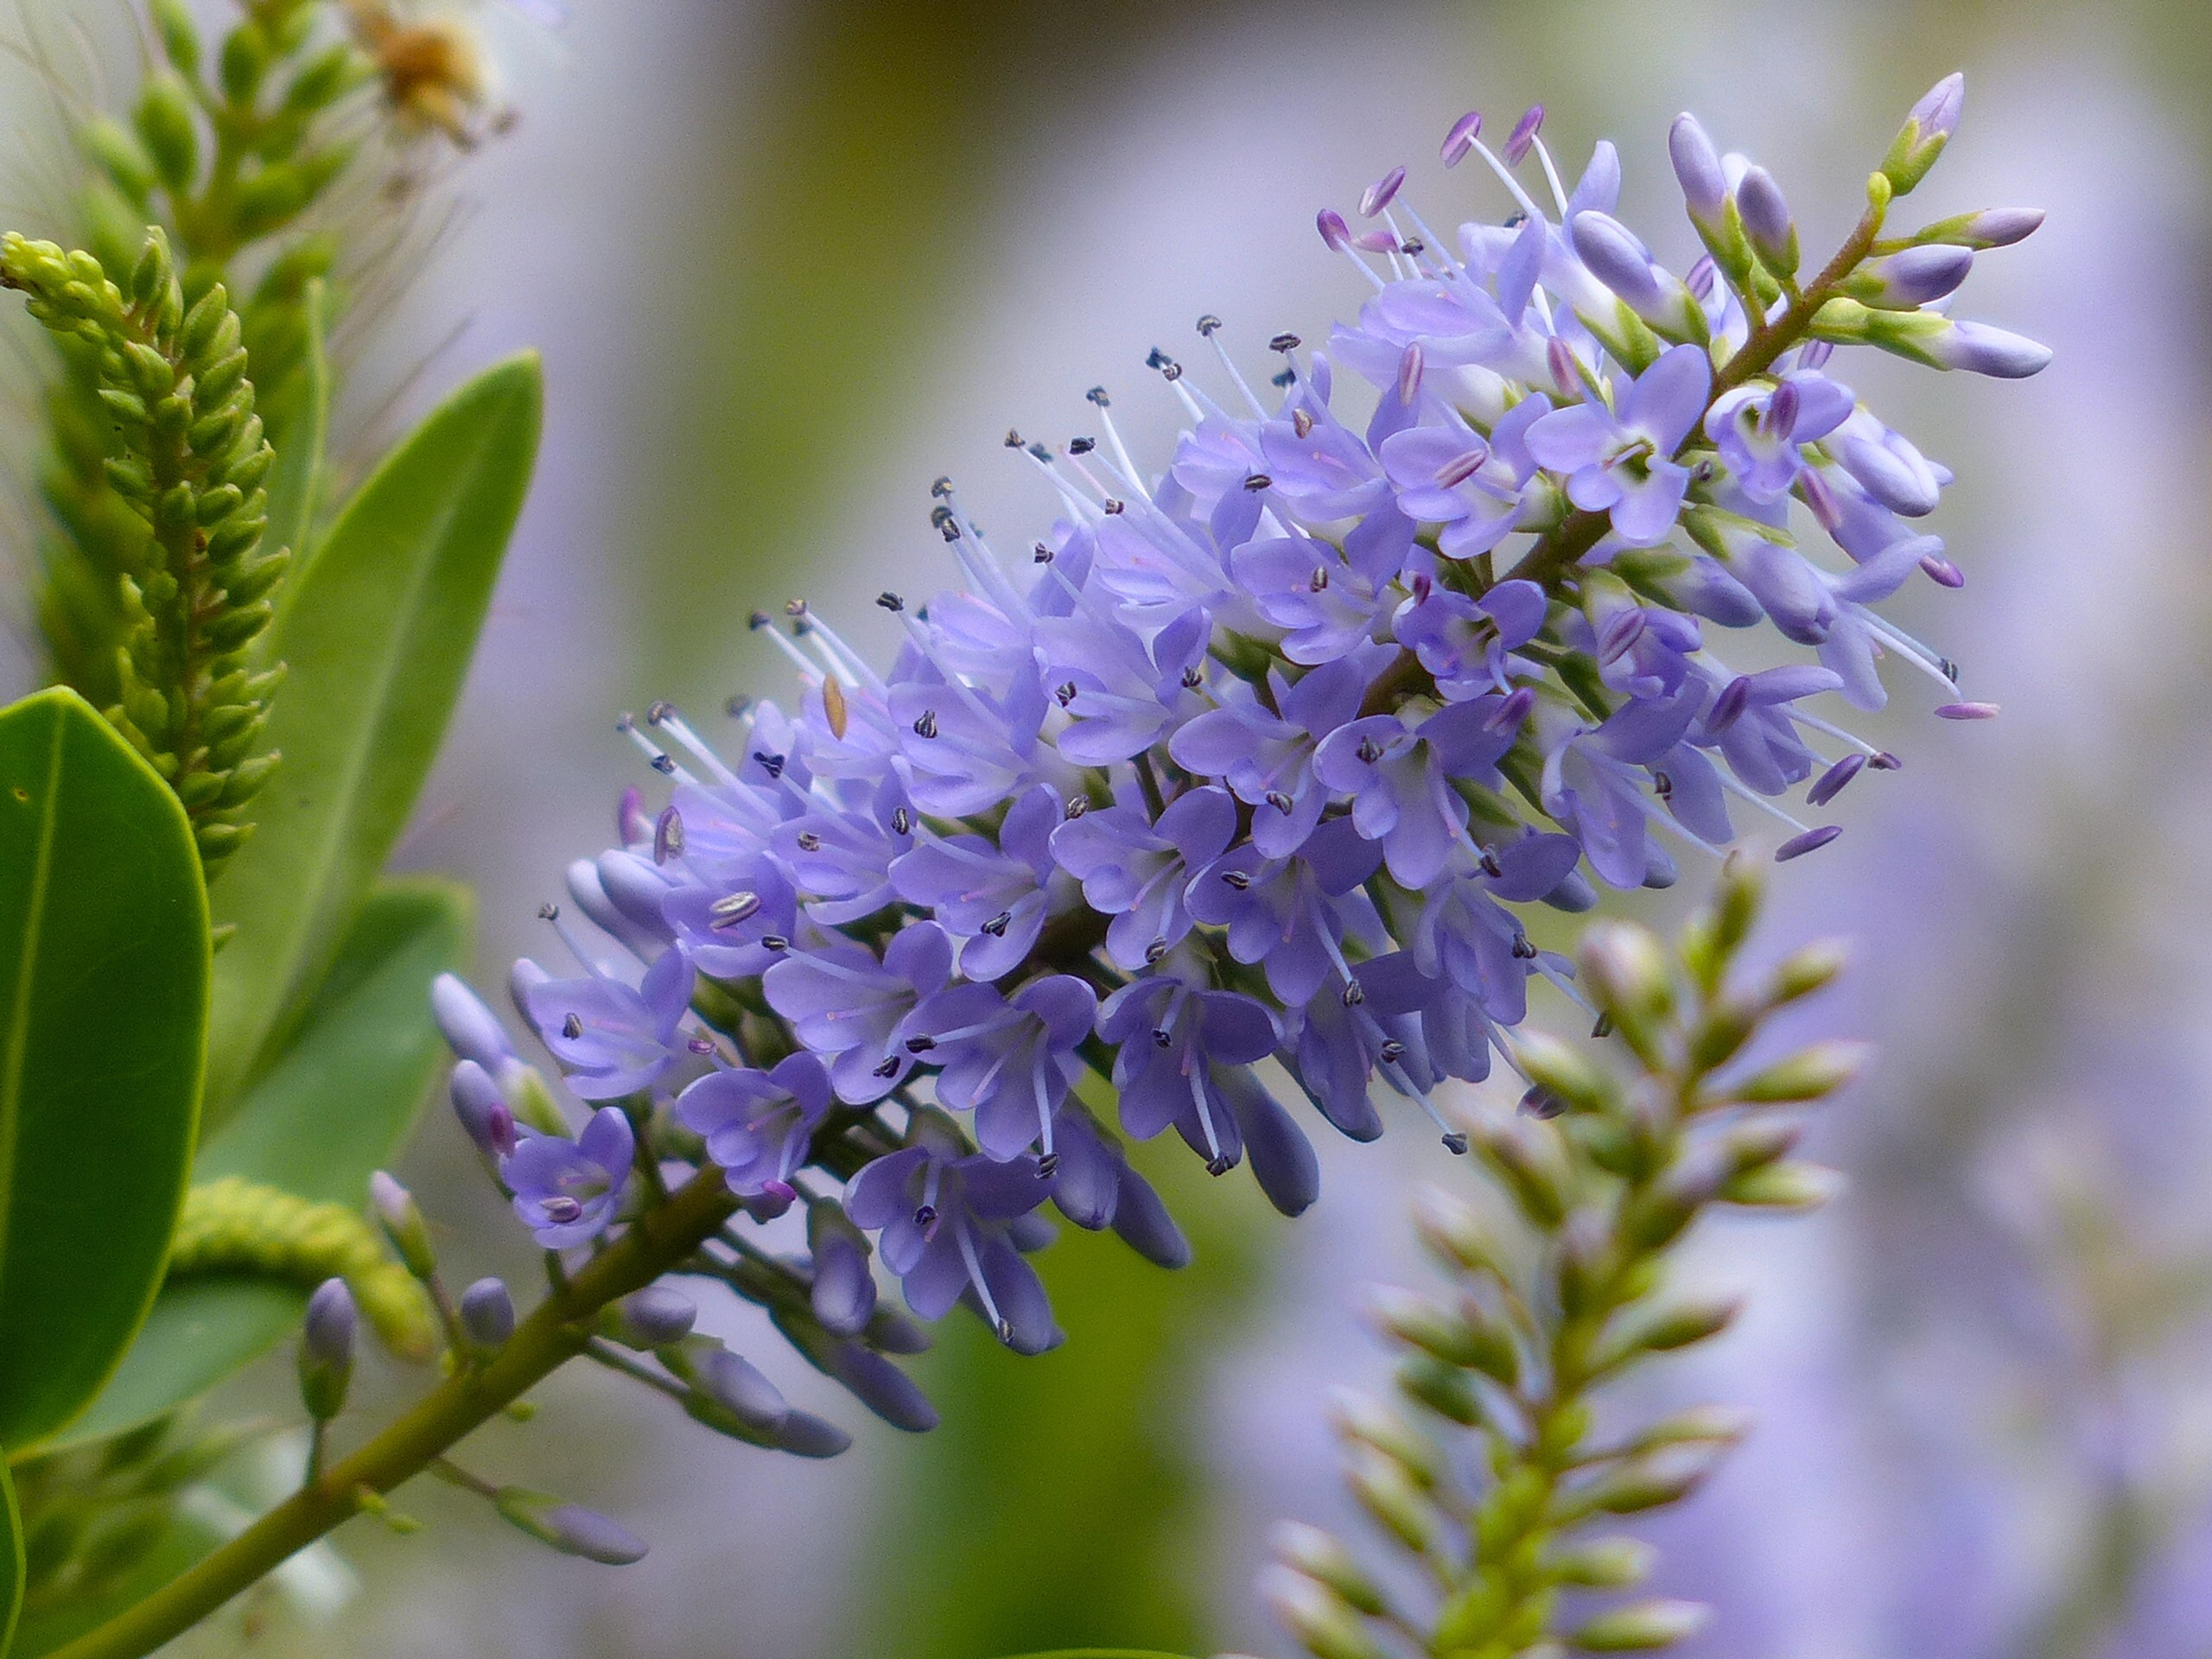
<point>788,263</point>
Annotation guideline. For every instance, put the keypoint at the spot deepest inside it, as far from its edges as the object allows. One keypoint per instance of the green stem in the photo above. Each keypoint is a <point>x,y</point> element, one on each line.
<point>557,1332</point>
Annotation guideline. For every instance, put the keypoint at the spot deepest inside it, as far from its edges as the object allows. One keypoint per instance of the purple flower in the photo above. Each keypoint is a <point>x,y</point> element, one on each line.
<point>758,1126</point>
<point>1466,935</point>
<point>1330,600</point>
<point>995,899</point>
<point>566,1192</point>
<point>1290,914</point>
<point>1621,461</point>
<point>1010,1061</point>
<point>1184,1060</point>
<point>1400,780</point>
<point>1760,430</point>
<point>1264,751</point>
<point>1464,643</point>
<point>1135,870</point>
<point>1471,486</point>
<point>847,1006</point>
<point>613,1040</point>
<point>724,928</point>
<point>941,1221</point>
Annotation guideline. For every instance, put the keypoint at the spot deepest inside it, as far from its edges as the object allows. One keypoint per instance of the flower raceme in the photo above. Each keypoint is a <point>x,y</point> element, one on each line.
<point>1261,759</point>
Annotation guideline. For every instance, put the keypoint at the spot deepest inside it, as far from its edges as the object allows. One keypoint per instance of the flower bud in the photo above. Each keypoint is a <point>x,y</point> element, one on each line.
<point>1532,1169</point>
<point>881,1386</point>
<point>1683,1323</point>
<point>528,1096</point>
<point>485,1116</point>
<point>1566,1072</point>
<point>1452,1232</point>
<point>1804,971</point>
<point>805,1435</point>
<point>1910,277</point>
<point>1991,227</point>
<point>1810,1074</point>
<point>1927,128</point>
<point>1604,1563</point>
<point>652,1318</point>
<point>1644,1624</point>
<point>1445,1389</point>
<point>1716,1427</point>
<point>1615,257</point>
<point>172,137</point>
<point>1314,1552</point>
<point>739,1388</point>
<point>844,1289</point>
<point>470,1029</point>
<point>1773,233</point>
<point>488,1317</point>
<point>1323,1623</point>
<point>1362,1420</point>
<point>1796,1186</point>
<point>401,1217</point>
<point>569,1528</point>
<point>327,1340</point>
<point>1726,1025</point>
<point>1630,975</point>
<point>1980,349</point>
<point>1386,1492</point>
<point>1697,168</point>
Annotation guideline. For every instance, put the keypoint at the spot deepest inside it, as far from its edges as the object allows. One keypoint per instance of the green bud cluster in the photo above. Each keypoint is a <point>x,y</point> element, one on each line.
<point>236,1226</point>
<point>174,383</point>
<point>1555,1287</point>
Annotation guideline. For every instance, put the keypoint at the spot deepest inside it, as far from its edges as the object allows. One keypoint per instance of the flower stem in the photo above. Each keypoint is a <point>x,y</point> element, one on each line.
<point>555,1333</point>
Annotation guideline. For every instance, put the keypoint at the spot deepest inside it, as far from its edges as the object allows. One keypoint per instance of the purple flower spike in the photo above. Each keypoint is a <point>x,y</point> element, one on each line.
<point>1334,232</point>
<point>1811,841</point>
<point>758,1126</point>
<point>566,1192</point>
<point>1380,193</point>
<point>1461,139</point>
<point>1517,142</point>
<point>1967,711</point>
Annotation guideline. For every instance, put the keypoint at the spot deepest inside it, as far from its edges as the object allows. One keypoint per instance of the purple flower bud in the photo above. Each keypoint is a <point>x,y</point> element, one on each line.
<point>1697,168</point>
<point>805,1435</point>
<point>488,1316</point>
<point>1942,571</point>
<point>1615,257</point>
<point>1916,276</point>
<point>1461,139</point>
<point>1967,711</point>
<point>1518,142</point>
<point>1829,783</point>
<point>326,1350</point>
<point>1766,219</point>
<point>881,1387</point>
<point>736,1385</point>
<point>569,1528</point>
<point>470,1029</point>
<point>484,1114</point>
<point>1811,841</point>
<point>1937,113</point>
<point>402,1223</point>
<point>2000,227</point>
<point>1334,231</point>
<point>651,1317</point>
<point>1380,193</point>
<point>1984,350</point>
<point>844,1288</point>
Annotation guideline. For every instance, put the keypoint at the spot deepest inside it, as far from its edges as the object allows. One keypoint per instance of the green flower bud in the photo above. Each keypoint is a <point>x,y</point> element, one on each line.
<point>172,135</point>
<point>326,1350</point>
<point>1443,1387</point>
<point>1386,1492</point>
<point>1631,978</point>
<point>1310,1551</point>
<point>1534,1171</point>
<point>246,59</point>
<point>1360,1419</point>
<point>1567,1072</point>
<point>115,151</point>
<point>179,36</point>
<point>1322,1621</point>
<point>1783,1186</point>
<point>1454,1233</point>
<point>1807,970</point>
<point>1685,1322</point>
<point>1812,1073</point>
<point>401,1217</point>
<point>1603,1563</point>
<point>1646,1624</point>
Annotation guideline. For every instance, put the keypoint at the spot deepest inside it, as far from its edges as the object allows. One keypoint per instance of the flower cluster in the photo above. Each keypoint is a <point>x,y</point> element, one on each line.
<point>1262,758</point>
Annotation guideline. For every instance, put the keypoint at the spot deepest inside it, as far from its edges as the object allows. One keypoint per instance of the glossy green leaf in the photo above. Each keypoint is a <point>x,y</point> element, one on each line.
<point>11,1558</point>
<point>378,635</point>
<point>338,1105</point>
<point>301,436</point>
<point>103,975</point>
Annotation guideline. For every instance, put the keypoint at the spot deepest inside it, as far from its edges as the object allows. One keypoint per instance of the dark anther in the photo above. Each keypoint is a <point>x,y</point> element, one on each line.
<point>1167,365</point>
<point>809,841</point>
<point>997,925</point>
<point>902,821</point>
<point>927,1216</point>
<point>1604,1027</point>
<point>1066,692</point>
<point>1041,554</point>
<point>572,1027</point>
<point>1193,679</point>
<point>1663,784</point>
<point>758,620</point>
<point>733,908</point>
<point>1369,750</point>
<point>549,913</point>
<point>1414,244</point>
<point>1456,1144</point>
<point>1237,880</point>
<point>1160,1038</point>
<point>1524,947</point>
<point>1097,395</point>
<point>775,943</point>
<point>1301,423</point>
<point>1490,866</point>
<point>1259,481</point>
<point>1078,806</point>
<point>1155,950</point>
<point>668,835</point>
<point>1515,218</point>
<point>1285,343</point>
<point>888,1067</point>
<point>1082,446</point>
<point>660,712</point>
<point>1541,1104</point>
<point>794,607</point>
<point>1318,582</point>
<point>1220,1163</point>
<point>1281,802</point>
<point>1884,761</point>
<point>920,1045</point>
<point>664,764</point>
<point>1950,669</point>
<point>1038,451</point>
<point>1013,439</point>
<point>771,763</point>
<point>1006,1332</point>
<point>1208,323</point>
<point>1354,994</point>
<point>737,706</point>
<point>1112,507</point>
<point>1287,377</point>
<point>1048,1165</point>
<point>941,488</point>
<point>943,522</point>
<point>890,602</point>
<point>926,725</point>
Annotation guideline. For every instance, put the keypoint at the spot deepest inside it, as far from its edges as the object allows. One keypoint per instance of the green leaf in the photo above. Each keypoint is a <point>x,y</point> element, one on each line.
<point>11,1558</point>
<point>295,481</point>
<point>103,1022</point>
<point>378,635</point>
<point>338,1105</point>
<point>1102,1653</point>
